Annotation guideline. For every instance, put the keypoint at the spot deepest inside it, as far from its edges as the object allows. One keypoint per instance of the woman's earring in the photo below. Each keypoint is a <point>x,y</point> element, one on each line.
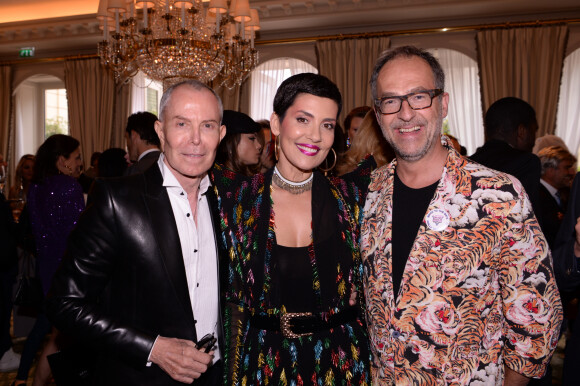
<point>277,148</point>
<point>70,171</point>
<point>333,164</point>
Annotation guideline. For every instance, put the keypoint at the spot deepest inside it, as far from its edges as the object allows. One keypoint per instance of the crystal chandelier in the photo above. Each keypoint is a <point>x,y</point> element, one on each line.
<point>172,40</point>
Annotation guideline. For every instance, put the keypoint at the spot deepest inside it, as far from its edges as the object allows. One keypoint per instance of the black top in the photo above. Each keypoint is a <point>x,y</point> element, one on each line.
<point>292,267</point>
<point>409,207</point>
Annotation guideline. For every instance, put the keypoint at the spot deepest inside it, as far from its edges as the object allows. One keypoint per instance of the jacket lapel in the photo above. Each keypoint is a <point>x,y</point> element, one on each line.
<point>167,237</point>
<point>215,222</point>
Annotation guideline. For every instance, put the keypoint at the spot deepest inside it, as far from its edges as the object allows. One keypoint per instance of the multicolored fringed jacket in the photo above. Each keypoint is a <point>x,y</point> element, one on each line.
<point>339,356</point>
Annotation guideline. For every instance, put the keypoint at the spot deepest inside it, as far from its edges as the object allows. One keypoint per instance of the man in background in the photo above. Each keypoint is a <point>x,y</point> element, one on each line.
<point>142,142</point>
<point>557,174</point>
<point>510,131</point>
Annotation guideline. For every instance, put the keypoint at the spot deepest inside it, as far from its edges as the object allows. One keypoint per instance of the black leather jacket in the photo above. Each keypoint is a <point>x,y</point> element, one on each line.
<point>122,281</point>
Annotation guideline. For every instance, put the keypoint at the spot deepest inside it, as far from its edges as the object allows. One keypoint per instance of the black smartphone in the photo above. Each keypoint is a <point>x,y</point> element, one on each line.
<point>206,343</point>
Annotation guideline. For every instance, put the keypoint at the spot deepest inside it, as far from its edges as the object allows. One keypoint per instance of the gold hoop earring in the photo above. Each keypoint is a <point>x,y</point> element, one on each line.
<point>277,148</point>
<point>333,164</point>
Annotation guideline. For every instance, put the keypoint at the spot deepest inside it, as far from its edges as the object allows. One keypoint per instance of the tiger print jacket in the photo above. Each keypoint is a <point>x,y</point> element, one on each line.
<point>478,290</point>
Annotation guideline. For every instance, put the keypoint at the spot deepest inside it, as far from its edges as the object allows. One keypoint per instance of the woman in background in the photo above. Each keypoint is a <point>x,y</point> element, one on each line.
<point>291,237</point>
<point>22,178</point>
<point>55,202</point>
<point>267,160</point>
<point>368,140</point>
<point>353,121</point>
<point>240,149</point>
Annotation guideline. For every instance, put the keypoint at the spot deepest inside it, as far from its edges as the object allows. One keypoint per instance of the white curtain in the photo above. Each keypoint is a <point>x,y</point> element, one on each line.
<point>26,111</point>
<point>139,84</point>
<point>465,117</point>
<point>568,116</point>
<point>265,80</point>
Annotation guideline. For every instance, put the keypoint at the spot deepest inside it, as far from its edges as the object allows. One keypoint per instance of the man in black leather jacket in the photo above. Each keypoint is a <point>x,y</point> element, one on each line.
<point>139,283</point>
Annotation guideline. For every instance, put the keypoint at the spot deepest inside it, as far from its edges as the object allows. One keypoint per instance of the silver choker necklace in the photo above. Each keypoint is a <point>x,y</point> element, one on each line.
<point>291,186</point>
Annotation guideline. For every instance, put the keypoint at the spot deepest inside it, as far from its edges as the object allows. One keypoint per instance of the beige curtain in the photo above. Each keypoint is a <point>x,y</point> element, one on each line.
<point>525,63</point>
<point>121,113</point>
<point>349,63</point>
<point>7,126</point>
<point>90,92</point>
<point>230,98</point>
<point>5,108</point>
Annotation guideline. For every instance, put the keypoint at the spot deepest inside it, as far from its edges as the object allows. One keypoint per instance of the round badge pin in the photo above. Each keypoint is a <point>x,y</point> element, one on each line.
<point>437,220</point>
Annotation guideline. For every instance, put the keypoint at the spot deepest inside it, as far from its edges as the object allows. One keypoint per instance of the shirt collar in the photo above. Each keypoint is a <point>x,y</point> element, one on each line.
<point>171,183</point>
<point>550,188</point>
<point>145,153</point>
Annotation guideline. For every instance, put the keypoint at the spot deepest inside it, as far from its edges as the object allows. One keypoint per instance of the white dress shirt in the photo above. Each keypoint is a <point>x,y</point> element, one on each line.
<point>198,247</point>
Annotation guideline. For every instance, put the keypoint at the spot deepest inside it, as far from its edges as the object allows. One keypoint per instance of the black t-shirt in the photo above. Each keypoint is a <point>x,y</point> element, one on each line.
<point>409,208</point>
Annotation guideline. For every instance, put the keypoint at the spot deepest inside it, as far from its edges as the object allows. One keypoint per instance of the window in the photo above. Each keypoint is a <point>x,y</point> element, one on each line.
<point>265,80</point>
<point>40,108</point>
<point>465,117</point>
<point>145,94</point>
<point>568,116</point>
<point>55,112</point>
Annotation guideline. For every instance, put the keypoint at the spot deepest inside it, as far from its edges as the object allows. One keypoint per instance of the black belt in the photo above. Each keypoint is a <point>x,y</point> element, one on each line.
<point>298,324</point>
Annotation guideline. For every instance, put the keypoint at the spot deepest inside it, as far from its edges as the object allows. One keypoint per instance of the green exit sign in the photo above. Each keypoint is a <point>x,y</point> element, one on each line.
<point>26,52</point>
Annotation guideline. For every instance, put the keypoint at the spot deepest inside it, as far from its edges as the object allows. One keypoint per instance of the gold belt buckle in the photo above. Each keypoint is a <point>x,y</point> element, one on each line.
<point>286,327</point>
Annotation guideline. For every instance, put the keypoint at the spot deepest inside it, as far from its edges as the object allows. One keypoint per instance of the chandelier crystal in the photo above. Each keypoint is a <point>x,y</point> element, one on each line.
<point>172,40</point>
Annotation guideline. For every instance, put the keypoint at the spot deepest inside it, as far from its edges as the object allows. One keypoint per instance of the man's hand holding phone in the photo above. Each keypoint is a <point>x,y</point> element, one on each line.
<point>206,343</point>
<point>182,359</point>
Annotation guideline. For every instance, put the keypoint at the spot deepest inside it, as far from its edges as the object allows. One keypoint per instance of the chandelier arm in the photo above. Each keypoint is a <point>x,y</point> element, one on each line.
<point>166,47</point>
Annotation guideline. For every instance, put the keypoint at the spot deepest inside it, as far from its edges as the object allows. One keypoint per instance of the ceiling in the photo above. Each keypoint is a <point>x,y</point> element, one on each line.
<point>69,27</point>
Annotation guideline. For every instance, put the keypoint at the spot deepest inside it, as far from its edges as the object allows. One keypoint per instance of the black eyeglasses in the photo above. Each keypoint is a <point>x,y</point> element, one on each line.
<point>416,100</point>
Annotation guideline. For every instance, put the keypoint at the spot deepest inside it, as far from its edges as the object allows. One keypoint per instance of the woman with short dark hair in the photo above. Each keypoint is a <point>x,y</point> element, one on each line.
<point>291,237</point>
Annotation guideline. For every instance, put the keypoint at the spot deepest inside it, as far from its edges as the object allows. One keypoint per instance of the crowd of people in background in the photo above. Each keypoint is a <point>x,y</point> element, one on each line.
<point>222,250</point>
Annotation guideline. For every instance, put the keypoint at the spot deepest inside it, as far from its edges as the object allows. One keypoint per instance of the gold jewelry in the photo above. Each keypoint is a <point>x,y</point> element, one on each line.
<point>277,147</point>
<point>70,171</point>
<point>333,164</point>
<point>291,186</point>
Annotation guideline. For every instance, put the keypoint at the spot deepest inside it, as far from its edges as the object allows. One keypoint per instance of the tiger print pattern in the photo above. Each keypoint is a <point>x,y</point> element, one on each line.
<point>474,297</point>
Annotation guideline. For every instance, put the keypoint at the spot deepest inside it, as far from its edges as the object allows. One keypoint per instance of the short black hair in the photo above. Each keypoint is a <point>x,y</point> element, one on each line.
<point>305,83</point>
<point>505,115</point>
<point>112,163</point>
<point>143,123</point>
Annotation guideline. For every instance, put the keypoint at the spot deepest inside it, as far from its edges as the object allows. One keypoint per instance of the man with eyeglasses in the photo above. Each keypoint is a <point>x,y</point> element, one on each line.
<point>458,277</point>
